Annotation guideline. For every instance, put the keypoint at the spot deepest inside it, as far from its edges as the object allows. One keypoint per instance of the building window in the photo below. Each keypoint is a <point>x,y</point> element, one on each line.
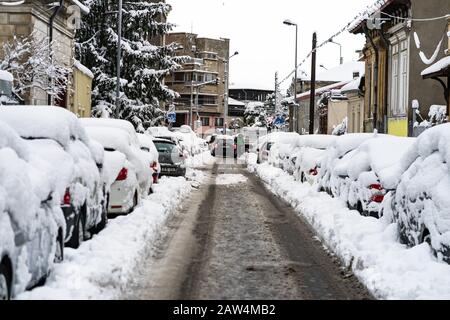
<point>369,86</point>
<point>179,77</point>
<point>218,122</point>
<point>205,121</point>
<point>399,77</point>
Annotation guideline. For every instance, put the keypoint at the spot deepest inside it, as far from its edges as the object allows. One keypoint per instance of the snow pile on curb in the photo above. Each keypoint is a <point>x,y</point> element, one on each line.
<point>368,246</point>
<point>200,160</point>
<point>104,265</point>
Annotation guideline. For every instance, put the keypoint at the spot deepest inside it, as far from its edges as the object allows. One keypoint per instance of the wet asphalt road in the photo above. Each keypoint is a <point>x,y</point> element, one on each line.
<point>239,242</point>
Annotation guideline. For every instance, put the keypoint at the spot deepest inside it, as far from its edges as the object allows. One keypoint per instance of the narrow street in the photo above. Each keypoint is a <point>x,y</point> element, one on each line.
<point>238,241</point>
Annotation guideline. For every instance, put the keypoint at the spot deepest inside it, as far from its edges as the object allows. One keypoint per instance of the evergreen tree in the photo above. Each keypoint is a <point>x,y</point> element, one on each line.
<point>144,64</point>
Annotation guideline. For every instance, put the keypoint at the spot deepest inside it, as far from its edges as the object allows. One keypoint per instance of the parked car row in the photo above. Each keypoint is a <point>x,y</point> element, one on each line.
<point>402,179</point>
<point>61,178</point>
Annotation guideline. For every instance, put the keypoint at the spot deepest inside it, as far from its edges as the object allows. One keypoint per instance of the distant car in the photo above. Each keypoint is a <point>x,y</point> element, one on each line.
<point>32,225</point>
<point>124,193</point>
<point>64,152</point>
<point>171,158</point>
<point>148,146</point>
<point>225,147</point>
<point>421,202</point>
<point>264,151</point>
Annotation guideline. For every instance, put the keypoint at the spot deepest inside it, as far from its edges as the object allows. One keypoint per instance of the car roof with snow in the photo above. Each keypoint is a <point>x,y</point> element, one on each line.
<point>44,122</point>
<point>112,123</point>
<point>110,138</point>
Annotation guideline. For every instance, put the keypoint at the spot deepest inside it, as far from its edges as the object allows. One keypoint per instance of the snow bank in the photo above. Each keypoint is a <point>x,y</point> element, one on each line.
<point>368,246</point>
<point>6,76</point>
<point>101,267</point>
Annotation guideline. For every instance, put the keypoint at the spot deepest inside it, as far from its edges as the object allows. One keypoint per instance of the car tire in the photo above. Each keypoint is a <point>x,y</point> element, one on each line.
<point>59,253</point>
<point>78,233</point>
<point>5,281</point>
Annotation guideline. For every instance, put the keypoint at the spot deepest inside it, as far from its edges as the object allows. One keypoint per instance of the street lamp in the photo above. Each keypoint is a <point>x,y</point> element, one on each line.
<point>295,110</point>
<point>341,59</point>
<point>225,109</point>
<point>322,66</point>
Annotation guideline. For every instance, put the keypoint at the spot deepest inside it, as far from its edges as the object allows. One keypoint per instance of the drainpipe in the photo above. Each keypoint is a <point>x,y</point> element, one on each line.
<point>375,89</point>
<point>386,82</point>
<point>50,37</point>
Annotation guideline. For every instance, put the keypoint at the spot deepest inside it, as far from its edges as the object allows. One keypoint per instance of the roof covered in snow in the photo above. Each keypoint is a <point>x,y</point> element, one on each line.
<point>77,64</point>
<point>352,85</point>
<point>439,66</point>
<point>6,76</point>
<point>234,102</point>
<point>343,72</point>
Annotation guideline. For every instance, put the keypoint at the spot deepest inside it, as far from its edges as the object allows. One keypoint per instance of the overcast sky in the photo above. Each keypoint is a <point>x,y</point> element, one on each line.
<point>255,29</point>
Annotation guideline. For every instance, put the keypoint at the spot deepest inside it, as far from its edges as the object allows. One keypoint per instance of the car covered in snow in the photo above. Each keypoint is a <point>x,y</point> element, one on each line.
<point>364,175</point>
<point>32,225</point>
<point>421,203</point>
<point>171,158</point>
<point>140,160</point>
<point>280,139</point>
<point>308,155</point>
<point>122,163</point>
<point>61,148</point>
<point>148,146</point>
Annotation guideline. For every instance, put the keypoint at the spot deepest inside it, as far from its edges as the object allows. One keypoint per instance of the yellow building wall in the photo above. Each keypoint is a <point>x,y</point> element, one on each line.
<point>398,127</point>
<point>82,101</point>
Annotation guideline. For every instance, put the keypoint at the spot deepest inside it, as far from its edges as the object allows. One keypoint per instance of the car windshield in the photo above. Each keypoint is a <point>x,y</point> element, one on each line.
<point>164,147</point>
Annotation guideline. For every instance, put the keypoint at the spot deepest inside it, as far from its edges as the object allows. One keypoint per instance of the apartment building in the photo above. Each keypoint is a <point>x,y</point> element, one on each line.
<point>201,82</point>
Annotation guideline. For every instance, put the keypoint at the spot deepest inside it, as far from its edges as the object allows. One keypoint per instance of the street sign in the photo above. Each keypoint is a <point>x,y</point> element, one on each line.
<point>171,117</point>
<point>279,121</point>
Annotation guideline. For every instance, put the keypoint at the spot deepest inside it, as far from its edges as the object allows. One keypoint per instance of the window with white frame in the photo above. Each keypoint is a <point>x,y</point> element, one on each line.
<point>399,76</point>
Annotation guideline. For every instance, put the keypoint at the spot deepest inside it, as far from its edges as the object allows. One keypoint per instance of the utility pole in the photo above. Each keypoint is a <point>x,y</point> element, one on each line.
<point>312,101</point>
<point>119,58</point>
<point>276,92</point>
<point>191,123</point>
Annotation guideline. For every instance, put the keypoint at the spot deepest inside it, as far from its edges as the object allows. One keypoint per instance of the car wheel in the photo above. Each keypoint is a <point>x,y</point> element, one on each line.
<point>77,235</point>
<point>5,282</point>
<point>59,253</point>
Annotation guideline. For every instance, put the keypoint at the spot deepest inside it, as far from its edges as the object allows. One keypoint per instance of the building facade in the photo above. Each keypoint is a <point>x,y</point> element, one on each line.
<point>202,81</point>
<point>394,63</point>
<point>34,18</point>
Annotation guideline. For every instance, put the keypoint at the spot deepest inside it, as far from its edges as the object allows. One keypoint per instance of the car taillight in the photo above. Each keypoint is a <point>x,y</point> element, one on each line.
<point>67,197</point>
<point>313,172</point>
<point>154,165</point>
<point>234,147</point>
<point>378,198</point>
<point>376,186</point>
<point>123,174</point>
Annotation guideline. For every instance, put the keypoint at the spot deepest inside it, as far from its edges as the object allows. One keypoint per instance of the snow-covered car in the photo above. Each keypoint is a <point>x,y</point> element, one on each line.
<point>265,144</point>
<point>124,191</point>
<point>136,156</point>
<point>171,158</point>
<point>333,174</point>
<point>61,148</point>
<point>32,224</point>
<point>308,155</point>
<point>421,203</point>
<point>374,170</point>
<point>147,145</point>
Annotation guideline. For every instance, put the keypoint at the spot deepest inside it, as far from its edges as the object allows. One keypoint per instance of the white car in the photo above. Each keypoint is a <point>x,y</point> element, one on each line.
<point>139,159</point>
<point>124,191</point>
<point>147,145</point>
<point>61,148</point>
<point>32,225</point>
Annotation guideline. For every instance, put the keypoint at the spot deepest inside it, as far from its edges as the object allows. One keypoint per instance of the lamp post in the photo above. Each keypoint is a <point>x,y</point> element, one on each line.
<point>295,110</point>
<point>341,59</point>
<point>119,57</point>
<point>227,79</point>
<point>322,66</point>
